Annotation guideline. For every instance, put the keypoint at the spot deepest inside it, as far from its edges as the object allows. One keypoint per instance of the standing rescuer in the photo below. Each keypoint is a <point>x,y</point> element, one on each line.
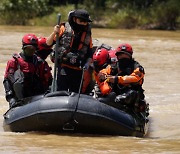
<point>75,49</point>
<point>21,77</point>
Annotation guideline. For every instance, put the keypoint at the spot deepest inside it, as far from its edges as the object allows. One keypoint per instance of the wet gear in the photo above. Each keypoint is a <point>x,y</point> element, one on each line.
<point>78,28</point>
<point>101,59</point>
<point>82,14</point>
<point>45,74</point>
<point>22,76</point>
<point>69,79</point>
<point>42,44</point>
<point>124,48</point>
<point>43,49</point>
<point>74,49</point>
<point>127,98</point>
<point>30,39</point>
<point>8,89</point>
<point>124,63</point>
<point>126,83</point>
<point>112,54</point>
<point>132,76</point>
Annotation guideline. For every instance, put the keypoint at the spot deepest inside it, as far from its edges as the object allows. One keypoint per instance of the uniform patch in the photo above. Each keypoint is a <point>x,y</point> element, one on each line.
<point>11,70</point>
<point>73,60</point>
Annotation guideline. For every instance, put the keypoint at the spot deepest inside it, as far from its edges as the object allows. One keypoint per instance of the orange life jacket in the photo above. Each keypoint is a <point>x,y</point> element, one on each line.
<point>65,45</point>
<point>135,77</point>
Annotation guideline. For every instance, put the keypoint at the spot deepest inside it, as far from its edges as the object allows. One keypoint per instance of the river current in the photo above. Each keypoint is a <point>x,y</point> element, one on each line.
<point>157,51</point>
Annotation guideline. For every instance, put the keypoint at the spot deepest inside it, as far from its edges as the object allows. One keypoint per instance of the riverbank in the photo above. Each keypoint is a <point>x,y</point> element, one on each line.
<point>122,19</point>
<point>119,18</point>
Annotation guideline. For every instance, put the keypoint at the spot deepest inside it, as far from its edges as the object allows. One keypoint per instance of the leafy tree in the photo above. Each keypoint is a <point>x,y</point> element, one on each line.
<point>18,12</point>
<point>166,14</point>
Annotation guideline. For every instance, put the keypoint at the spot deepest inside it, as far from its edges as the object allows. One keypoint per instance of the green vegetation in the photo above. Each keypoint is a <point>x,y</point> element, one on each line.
<point>149,14</point>
<point>18,12</point>
<point>50,20</point>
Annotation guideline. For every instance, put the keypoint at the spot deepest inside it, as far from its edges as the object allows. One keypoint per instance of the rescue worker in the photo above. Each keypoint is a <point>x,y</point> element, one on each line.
<point>75,49</point>
<point>21,77</point>
<point>102,57</point>
<point>125,80</point>
<point>45,70</point>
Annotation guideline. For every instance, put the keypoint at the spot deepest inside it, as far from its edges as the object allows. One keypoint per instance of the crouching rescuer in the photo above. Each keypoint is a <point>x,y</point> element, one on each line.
<point>21,77</point>
<point>124,82</point>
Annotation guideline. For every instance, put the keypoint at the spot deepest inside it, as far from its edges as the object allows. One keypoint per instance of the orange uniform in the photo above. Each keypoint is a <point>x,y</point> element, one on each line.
<point>132,78</point>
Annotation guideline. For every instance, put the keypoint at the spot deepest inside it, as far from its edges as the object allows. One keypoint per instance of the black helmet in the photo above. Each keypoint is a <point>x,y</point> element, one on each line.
<point>83,14</point>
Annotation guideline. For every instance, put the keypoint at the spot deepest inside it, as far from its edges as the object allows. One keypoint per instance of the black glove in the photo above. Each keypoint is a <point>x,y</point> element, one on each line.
<point>127,98</point>
<point>12,103</point>
<point>120,99</point>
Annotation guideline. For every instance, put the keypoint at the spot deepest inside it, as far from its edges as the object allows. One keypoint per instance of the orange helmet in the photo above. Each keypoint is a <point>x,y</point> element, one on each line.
<point>30,39</point>
<point>124,48</point>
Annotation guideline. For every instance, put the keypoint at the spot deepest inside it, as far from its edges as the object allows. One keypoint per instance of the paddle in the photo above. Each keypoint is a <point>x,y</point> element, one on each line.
<point>72,122</point>
<point>54,82</point>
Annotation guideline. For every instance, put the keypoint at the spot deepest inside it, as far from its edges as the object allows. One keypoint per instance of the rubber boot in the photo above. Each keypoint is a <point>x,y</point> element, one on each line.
<point>109,98</point>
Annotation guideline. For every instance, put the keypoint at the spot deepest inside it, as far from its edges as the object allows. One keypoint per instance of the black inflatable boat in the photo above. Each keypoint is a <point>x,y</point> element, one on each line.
<point>73,113</point>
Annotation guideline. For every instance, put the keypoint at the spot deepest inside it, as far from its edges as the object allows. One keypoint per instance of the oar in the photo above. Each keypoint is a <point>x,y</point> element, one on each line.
<point>54,82</point>
<point>80,87</point>
<point>72,122</point>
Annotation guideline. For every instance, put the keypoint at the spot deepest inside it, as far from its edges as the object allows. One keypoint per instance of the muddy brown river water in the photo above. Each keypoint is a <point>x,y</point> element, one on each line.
<point>157,51</point>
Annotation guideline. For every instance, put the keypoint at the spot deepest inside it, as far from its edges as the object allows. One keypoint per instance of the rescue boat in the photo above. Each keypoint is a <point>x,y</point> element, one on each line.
<point>66,112</point>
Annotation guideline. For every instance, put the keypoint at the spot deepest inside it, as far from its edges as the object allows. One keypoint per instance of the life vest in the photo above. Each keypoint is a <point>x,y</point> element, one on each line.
<point>132,77</point>
<point>26,67</point>
<point>74,58</point>
<point>30,77</point>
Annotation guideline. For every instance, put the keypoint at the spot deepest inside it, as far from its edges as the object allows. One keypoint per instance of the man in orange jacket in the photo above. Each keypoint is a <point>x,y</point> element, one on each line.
<point>125,79</point>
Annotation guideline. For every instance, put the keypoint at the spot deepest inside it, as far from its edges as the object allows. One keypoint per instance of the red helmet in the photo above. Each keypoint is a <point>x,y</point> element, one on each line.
<point>43,49</point>
<point>30,39</point>
<point>124,48</point>
<point>112,54</point>
<point>101,57</point>
<point>42,44</point>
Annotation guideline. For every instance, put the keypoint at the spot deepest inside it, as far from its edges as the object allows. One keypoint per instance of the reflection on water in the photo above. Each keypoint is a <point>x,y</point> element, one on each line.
<point>157,51</point>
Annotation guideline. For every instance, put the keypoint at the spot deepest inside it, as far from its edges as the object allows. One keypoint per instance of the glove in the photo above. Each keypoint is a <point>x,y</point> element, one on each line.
<point>86,66</point>
<point>12,103</point>
<point>110,79</point>
<point>88,63</point>
<point>120,99</point>
<point>101,76</point>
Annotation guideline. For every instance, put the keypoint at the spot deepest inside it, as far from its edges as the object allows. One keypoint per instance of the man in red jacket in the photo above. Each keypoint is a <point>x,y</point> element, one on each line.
<point>21,77</point>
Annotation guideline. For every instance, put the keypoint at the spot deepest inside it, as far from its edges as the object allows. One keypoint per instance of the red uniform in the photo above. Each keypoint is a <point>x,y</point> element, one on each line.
<point>21,78</point>
<point>25,72</point>
<point>44,69</point>
<point>45,74</point>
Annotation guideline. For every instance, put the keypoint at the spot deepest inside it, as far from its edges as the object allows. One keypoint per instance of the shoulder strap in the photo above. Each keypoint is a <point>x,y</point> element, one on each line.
<point>16,56</point>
